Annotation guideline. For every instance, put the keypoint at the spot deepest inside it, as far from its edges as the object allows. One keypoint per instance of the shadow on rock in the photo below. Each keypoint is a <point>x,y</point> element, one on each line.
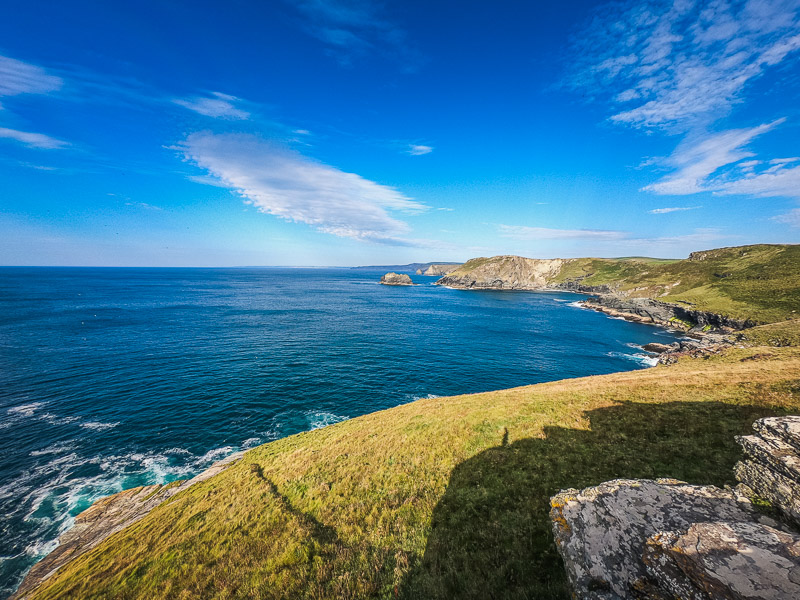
<point>491,534</point>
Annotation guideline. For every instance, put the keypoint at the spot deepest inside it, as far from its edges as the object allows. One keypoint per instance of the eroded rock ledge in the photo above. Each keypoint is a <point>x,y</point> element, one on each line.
<point>106,517</point>
<point>666,539</point>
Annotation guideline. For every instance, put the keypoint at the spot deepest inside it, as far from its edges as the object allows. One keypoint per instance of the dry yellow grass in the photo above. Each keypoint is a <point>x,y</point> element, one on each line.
<point>440,498</point>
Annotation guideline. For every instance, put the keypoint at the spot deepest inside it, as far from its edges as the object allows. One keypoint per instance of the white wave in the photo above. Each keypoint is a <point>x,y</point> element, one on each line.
<point>251,443</point>
<point>98,425</point>
<point>26,410</point>
<point>57,448</point>
<point>317,420</point>
<point>49,495</point>
<point>577,304</point>
<point>642,359</point>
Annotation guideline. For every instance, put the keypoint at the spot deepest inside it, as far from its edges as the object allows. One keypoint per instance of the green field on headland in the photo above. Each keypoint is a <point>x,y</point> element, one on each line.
<point>439,498</point>
<point>760,283</point>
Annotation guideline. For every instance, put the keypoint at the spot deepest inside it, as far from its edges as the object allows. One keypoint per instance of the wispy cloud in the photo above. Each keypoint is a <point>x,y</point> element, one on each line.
<point>32,140</point>
<point>218,105</point>
<point>792,218</point>
<point>17,77</point>
<point>671,209</point>
<point>419,149</point>
<point>353,28</point>
<point>521,232</point>
<point>705,166</point>
<point>670,64</point>
<point>612,238</point>
<point>282,182</point>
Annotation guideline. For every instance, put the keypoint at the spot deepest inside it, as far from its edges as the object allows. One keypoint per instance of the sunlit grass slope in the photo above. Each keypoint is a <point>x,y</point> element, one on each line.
<point>440,498</point>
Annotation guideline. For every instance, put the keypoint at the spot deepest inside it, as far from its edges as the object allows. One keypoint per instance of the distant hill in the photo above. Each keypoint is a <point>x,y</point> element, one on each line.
<point>409,268</point>
<point>759,283</point>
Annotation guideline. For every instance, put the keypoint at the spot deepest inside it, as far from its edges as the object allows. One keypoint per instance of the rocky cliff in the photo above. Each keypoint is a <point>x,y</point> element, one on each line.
<point>396,279</point>
<point>504,273</point>
<point>666,539</point>
<point>440,270</point>
<point>727,288</point>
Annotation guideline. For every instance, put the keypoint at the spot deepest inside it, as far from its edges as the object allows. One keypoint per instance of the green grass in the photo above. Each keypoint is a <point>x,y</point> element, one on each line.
<point>786,333</point>
<point>440,498</point>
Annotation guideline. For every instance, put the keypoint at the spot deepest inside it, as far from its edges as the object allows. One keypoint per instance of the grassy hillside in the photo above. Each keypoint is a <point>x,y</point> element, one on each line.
<point>440,498</point>
<point>760,283</point>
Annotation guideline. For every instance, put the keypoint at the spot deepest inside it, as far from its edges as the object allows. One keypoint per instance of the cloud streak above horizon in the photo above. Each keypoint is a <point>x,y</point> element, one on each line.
<point>282,182</point>
<point>218,106</point>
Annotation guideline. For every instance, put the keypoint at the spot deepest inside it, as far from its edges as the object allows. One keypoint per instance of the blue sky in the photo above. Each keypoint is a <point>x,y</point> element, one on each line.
<point>343,132</point>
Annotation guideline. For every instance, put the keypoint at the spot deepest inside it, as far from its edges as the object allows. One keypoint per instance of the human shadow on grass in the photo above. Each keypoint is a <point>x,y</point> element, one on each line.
<point>491,534</point>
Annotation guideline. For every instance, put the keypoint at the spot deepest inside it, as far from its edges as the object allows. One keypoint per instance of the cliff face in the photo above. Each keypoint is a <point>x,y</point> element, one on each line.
<point>504,273</point>
<point>439,270</point>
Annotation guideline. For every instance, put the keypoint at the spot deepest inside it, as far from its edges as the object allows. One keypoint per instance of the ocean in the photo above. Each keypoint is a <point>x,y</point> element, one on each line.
<point>113,378</point>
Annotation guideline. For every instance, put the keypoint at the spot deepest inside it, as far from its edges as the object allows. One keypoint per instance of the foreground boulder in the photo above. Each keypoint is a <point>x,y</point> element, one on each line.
<point>666,539</point>
<point>396,279</point>
<point>601,532</point>
<point>726,560</point>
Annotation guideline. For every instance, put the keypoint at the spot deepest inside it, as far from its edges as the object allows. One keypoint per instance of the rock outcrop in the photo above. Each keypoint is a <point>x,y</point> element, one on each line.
<point>504,273</point>
<point>439,270</point>
<point>666,539</point>
<point>106,517</point>
<point>396,279</point>
<point>771,466</point>
<point>647,310</point>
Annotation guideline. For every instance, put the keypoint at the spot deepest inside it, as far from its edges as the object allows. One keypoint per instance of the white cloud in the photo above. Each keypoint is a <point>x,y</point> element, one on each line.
<point>17,77</point>
<point>219,106</point>
<point>700,167</point>
<point>419,149</point>
<point>670,64</point>
<point>663,211</point>
<point>32,140</point>
<point>522,232</point>
<point>282,182</point>
<point>792,218</point>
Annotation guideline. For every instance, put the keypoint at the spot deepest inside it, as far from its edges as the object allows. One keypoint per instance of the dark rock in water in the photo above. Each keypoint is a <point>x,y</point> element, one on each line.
<point>657,348</point>
<point>396,279</point>
<point>738,560</point>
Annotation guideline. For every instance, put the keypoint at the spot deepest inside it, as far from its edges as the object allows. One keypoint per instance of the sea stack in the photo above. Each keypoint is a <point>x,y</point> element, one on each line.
<point>396,279</point>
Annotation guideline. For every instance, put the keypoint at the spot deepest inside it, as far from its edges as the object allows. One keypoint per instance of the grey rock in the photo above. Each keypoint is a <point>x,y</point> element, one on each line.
<point>780,491</point>
<point>657,348</point>
<point>601,531</point>
<point>786,429</point>
<point>726,560</point>
<point>773,453</point>
<point>396,279</point>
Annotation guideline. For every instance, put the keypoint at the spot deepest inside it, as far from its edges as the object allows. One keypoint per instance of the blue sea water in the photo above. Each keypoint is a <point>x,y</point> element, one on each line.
<point>114,378</point>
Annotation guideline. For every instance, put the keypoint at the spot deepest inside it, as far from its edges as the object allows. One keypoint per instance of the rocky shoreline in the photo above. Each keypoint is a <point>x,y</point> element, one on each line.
<point>105,517</point>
